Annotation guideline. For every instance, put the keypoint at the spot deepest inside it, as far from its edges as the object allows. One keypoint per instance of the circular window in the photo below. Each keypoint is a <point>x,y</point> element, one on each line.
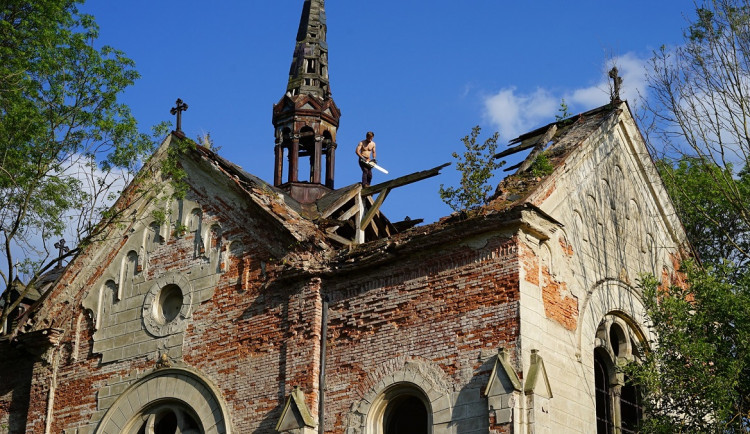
<point>167,306</point>
<point>169,303</point>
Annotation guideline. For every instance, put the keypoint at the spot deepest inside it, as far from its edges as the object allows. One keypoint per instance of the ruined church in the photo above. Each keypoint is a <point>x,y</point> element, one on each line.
<point>297,306</point>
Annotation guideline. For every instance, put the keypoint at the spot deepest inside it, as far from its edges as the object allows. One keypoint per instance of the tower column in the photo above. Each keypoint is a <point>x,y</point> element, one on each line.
<point>316,163</point>
<point>294,159</point>
<point>330,164</point>
<point>279,165</point>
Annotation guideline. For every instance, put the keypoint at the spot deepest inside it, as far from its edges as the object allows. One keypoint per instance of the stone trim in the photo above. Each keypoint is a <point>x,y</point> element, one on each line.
<point>152,323</point>
<point>610,296</point>
<point>415,376</point>
<point>186,386</point>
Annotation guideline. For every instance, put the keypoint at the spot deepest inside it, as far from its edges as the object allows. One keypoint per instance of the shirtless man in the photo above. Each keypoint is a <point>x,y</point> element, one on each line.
<point>364,149</point>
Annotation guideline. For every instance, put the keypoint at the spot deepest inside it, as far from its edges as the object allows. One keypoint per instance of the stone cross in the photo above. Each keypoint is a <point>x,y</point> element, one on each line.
<point>617,82</point>
<point>62,249</point>
<point>181,107</point>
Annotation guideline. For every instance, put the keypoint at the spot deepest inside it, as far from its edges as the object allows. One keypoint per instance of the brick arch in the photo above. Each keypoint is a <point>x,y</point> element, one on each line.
<point>402,375</point>
<point>185,386</point>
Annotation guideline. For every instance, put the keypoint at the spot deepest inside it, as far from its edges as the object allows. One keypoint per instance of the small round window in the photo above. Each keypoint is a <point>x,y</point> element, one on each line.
<point>169,304</point>
<point>166,306</point>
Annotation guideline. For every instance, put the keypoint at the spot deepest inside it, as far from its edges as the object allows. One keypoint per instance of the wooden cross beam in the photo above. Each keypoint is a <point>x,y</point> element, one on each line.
<point>403,180</point>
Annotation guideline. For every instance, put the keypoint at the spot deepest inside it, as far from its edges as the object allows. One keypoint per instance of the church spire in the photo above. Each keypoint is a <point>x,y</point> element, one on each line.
<point>306,118</point>
<point>309,71</point>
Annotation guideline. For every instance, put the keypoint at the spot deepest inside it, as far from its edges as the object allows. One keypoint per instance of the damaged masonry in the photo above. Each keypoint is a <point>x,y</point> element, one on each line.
<point>298,307</point>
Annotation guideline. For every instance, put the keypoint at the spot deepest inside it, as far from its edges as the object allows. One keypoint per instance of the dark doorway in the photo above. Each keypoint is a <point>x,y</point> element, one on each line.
<point>406,415</point>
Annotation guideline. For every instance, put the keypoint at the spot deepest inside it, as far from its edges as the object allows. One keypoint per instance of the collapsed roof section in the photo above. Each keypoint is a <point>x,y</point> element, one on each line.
<point>344,217</point>
<point>548,148</point>
<point>351,215</point>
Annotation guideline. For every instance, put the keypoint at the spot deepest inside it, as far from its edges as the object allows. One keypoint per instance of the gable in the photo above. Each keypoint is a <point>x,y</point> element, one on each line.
<point>142,284</point>
<point>612,203</point>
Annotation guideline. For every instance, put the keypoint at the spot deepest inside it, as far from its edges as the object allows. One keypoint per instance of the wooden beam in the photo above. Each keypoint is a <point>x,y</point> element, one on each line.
<point>406,224</point>
<point>538,149</point>
<point>526,144</point>
<point>374,208</point>
<point>340,239</point>
<point>349,213</point>
<point>359,230</point>
<point>341,201</point>
<point>403,180</point>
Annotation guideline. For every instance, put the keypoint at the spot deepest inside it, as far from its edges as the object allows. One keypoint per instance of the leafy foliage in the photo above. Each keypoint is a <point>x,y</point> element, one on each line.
<point>541,166</point>
<point>703,195</point>
<point>697,377</point>
<point>66,144</point>
<point>171,168</point>
<point>476,166</point>
<point>700,115</point>
<point>563,111</point>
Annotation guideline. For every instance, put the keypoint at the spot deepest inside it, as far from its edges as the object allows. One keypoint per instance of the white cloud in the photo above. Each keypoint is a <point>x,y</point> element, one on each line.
<point>515,113</point>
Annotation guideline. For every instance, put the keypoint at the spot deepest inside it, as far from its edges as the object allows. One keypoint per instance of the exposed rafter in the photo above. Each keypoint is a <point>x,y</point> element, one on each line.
<point>351,215</point>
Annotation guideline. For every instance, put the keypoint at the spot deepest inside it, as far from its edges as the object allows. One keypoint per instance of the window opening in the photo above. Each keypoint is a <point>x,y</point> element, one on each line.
<point>604,421</point>
<point>630,408</point>
<point>170,303</point>
<point>405,415</point>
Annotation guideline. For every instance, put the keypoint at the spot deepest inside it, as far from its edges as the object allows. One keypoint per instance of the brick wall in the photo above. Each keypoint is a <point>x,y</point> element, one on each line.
<point>15,388</point>
<point>452,308</point>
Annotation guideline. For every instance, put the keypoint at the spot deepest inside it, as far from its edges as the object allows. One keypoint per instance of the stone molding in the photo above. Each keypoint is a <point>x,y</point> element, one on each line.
<point>410,374</point>
<point>187,386</point>
<point>153,324</point>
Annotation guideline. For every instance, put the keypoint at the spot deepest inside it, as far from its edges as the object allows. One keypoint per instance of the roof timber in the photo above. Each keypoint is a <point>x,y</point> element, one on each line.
<point>403,180</point>
<point>351,213</point>
<point>538,142</point>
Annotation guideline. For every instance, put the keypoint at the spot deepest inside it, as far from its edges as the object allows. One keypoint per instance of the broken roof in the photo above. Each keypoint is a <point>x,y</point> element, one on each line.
<point>555,141</point>
<point>331,222</point>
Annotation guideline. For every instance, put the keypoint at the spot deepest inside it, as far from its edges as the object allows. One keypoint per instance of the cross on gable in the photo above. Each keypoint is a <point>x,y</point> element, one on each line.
<point>62,249</point>
<point>617,82</point>
<point>177,110</point>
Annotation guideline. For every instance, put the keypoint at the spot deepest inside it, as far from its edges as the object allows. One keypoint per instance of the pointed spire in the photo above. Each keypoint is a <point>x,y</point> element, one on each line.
<point>309,71</point>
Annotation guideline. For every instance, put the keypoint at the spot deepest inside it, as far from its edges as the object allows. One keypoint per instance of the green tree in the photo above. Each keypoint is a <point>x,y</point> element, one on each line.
<point>476,166</point>
<point>699,102</point>
<point>66,143</point>
<point>697,378</point>
<point>700,191</point>
<point>694,377</point>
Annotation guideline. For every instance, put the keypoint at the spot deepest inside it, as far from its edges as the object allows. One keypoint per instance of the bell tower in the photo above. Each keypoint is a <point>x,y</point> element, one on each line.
<point>305,120</point>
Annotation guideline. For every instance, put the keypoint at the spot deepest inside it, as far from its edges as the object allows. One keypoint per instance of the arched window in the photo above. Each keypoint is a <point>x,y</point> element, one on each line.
<point>168,401</point>
<point>604,421</point>
<point>166,418</point>
<point>401,409</point>
<point>406,414</point>
<point>618,406</point>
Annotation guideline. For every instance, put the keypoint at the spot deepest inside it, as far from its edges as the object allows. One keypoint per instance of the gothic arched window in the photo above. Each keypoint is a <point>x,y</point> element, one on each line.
<point>618,406</point>
<point>604,421</point>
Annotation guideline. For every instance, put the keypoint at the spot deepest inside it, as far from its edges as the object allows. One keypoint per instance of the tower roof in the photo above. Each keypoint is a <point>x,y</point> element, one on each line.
<point>309,71</point>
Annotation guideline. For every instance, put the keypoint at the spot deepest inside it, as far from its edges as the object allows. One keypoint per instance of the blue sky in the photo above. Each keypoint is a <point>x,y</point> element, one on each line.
<point>420,74</point>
